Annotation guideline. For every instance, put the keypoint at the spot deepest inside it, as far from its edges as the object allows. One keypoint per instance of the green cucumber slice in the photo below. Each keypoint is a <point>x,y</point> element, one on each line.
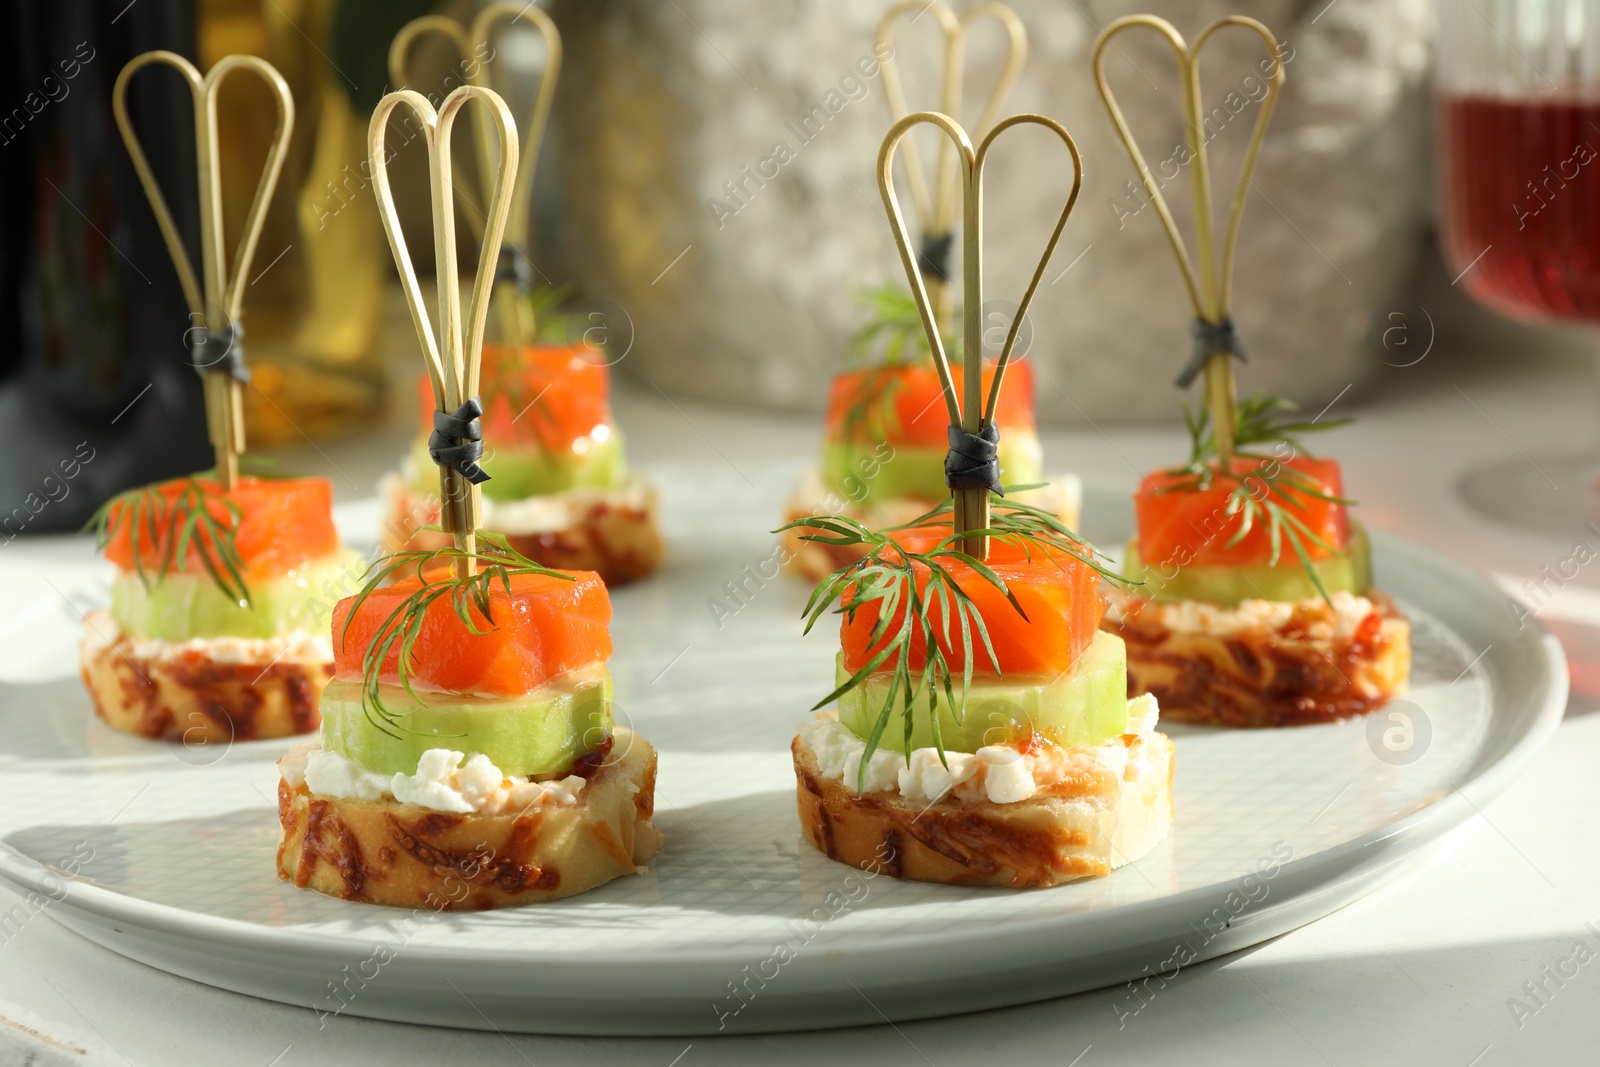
<point>1229,585</point>
<point>540,733</point>
<point>180,607</point>
<point>518,473</point>
<point>1086,707</point>
<point>858,471</point>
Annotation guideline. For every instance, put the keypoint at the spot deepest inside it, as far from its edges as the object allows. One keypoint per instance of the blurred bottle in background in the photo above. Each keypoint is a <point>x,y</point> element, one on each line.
<point>95,388</point>
<point>94,374</point>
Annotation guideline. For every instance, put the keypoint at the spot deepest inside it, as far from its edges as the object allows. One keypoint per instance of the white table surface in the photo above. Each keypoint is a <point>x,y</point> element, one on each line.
<point>1425,971</point>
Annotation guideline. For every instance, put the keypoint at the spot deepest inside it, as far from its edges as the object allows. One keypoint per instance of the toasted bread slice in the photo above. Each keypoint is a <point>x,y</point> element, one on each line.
<point>1062,496</point>
<point>615,533</point>
<point>402,855</point>
<point>1101,817</point>
<point>1303,663</point>
<point>203,692</point>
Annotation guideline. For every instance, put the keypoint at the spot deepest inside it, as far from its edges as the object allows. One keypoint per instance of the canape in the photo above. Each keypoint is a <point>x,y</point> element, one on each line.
<point>1005,751</point>
<point>559,488</point>
<point>218,624</point>
<point>983,733</point>
<point>468,757</point>
<point>884,447</point>
<point>1257,606</point>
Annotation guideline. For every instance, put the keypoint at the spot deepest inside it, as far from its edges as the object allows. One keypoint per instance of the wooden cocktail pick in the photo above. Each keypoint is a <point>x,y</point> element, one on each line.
<point>971,469</point>
<point>513,271</point>
<point>215,307</point>
<point>936,212</point>
<point>451,358</point>
<point>1216,343</point>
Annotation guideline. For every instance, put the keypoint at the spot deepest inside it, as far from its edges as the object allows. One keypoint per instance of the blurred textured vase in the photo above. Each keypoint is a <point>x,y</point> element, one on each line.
<point>718,171</point>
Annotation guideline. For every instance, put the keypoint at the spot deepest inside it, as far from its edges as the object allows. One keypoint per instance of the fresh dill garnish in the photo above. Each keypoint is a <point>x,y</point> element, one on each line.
<point>891,338</point>
<point>906,586</point>
<point>496,562</point>
<point>549,325</point>
<point>1267,490</point>
<point>164,528</point>
<point>893,333</point>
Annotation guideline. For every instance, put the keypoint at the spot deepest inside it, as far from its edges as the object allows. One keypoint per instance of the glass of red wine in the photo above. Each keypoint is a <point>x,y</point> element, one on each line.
<point>1518,120</point>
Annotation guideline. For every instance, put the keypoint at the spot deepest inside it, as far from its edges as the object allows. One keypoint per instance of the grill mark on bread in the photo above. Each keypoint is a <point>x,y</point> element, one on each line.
<point>893,846</point>
<point>587,764</point>
<point>342,853</point>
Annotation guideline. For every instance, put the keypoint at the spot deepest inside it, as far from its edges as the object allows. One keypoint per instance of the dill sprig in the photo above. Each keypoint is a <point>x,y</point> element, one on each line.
<point>892,337</point>
<point>497,563</point>
<point>549,325</point>
<point>906,586</point>
<point>893,332</point>
<point>166,527</point>
<point>1270,491</point>
<point>871,414</point>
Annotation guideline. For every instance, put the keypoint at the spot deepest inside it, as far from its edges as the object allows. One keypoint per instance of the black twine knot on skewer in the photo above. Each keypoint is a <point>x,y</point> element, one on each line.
<point>514,267</point>
<point>457,440</point>
<point>1210,339</point>
<point>219,352</point>
<point>973,461</point>
<point>934,259</point>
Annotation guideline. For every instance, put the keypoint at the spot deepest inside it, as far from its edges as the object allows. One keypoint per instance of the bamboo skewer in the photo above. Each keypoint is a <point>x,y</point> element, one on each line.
<point>1208,283</point>
<point>936,215</point>
<point>217,304</point>
<point>452,359</point>
<point>511,307</point>
<point>969,409</point>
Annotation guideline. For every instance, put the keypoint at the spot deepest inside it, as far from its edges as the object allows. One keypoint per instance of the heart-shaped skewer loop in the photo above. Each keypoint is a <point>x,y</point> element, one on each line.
<point>971,413</point>
<point>1208,282</point>
<point>936,212</point>
<point>452,358</point>
<point>514,271</point>
<point>216,298</point>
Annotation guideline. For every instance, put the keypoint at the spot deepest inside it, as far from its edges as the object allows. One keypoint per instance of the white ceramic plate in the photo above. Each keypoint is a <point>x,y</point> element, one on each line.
<point>166,855</point>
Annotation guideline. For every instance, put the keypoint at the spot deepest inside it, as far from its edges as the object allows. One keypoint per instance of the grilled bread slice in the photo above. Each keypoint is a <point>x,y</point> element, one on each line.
<point>402,855</point>
<point>203,692</point>
<point>1107,812</point>
<point>1264,664</point>
<point>614,532</point>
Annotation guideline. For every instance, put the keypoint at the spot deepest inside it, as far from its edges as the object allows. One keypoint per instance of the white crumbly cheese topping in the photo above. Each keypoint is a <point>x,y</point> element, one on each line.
<point>1002,774</point>
<point>442,782</point>
<point>1312,619</point>
<point>296,646</point>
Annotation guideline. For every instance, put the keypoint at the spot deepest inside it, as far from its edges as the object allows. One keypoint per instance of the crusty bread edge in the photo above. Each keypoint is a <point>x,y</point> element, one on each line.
<point>195,700</point>
<point>1041,841</point>
<point>621,544</point>
<point>402,855</point>
<point>1210,680</point>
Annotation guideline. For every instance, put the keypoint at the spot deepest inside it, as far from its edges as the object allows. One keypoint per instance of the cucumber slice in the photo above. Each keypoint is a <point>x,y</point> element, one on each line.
<point>540,733</point>
<point>179,607</point>
<point>1087,706</point>
<point>857,471</point>
<point>518,473</point>
<point>1287,582</point>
